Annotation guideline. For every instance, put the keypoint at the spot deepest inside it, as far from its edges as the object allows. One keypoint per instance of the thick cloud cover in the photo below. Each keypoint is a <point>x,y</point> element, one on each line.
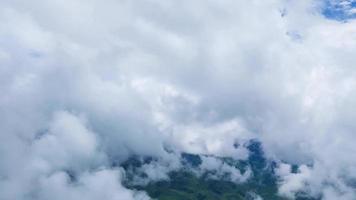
<point>87,83</point>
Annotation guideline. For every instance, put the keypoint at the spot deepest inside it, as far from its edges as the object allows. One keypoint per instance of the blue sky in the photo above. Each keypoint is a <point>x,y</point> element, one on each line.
<point>341,10</point>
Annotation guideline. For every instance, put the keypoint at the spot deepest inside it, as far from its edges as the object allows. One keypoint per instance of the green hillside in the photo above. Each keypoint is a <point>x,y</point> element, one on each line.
<point>184,184</point>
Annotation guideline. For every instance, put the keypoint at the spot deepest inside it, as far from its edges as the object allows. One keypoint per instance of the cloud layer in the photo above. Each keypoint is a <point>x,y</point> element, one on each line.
<point>85,84</point>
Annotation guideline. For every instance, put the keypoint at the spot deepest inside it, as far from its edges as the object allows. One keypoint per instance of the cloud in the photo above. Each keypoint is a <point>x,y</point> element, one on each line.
<point>217,169</point>
<point>141,171</point>
<point>291,183</point>
<point>67,143</point>
<point>102,184</point>
<point>87,84</point>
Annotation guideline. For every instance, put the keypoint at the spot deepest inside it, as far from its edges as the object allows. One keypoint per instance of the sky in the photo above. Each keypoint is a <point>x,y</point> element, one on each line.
<point>341,10</point>
<point>84,84</point>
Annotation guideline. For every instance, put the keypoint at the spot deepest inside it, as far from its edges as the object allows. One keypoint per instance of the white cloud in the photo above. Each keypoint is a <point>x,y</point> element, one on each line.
<point>68,143</point>
<point>218,169</point>
<point>133,77</point>
<point>97,185</point>
<point>291,183</point>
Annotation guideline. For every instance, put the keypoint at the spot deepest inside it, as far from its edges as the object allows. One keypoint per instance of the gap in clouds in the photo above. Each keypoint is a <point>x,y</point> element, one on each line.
<point>341,10</point>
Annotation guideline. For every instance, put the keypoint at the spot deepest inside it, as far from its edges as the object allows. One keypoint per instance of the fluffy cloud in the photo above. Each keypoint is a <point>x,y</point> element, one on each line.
<point>98,185</point>
<point>293,182</point>
<point>85,84</point>
<point>220,169</point>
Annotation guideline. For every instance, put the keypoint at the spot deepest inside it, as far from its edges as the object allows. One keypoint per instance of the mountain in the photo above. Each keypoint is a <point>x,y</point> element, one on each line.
<point>191,183</point>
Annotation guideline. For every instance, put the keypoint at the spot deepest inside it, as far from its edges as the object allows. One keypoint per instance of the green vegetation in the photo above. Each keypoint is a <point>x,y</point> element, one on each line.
<point>184,184</point>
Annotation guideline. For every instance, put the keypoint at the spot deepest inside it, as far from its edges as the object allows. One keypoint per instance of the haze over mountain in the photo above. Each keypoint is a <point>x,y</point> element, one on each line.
<point>132,100</point>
